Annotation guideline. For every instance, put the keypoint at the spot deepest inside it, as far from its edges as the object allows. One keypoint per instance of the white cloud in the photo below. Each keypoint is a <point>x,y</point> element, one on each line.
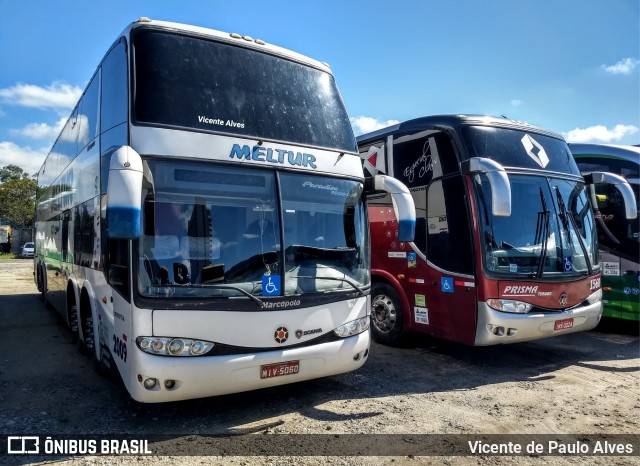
<point>600,134</point>
<point>41,131</point>
<point>624,66</point>
<point>30,160</point>
<point>363,124</point>
<point>516,103</point>
<point>57,95</point>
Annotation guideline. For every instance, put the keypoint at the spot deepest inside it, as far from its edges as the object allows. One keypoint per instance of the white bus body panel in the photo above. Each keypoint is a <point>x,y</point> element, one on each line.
<point>197,377</point>
<point>202,376</point>
<point>151,141</point>
<point>256,329</point>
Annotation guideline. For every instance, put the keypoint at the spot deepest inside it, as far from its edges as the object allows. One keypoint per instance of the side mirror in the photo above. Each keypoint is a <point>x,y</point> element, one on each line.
<point>403,205</point>
<point>498,179</point>
<point>124,201</point>
<point>630,207</point>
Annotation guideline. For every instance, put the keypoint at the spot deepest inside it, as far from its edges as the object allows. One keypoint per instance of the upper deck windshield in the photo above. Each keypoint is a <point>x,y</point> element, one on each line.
<point>207,85</point>
<point>551,229</point>
<point>218,231</point>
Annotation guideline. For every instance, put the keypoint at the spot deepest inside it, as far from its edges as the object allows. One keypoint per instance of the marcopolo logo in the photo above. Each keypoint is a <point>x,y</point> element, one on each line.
<point>280,304</point>
<point>535,150</point>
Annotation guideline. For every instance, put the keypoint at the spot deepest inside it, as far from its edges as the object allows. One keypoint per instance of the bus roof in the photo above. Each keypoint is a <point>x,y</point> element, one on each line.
<point>453,122</point>
<point>630,153</point>
<point>232,38</point>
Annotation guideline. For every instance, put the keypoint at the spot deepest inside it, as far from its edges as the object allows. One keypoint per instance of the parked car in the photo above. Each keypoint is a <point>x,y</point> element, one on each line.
<point>27,250</point>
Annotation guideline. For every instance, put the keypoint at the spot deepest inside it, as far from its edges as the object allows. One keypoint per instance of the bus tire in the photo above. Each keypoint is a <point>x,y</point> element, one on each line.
<point>85,325</point>
<point>73,324</point>
<point>98,361</point>
<point>43,290</point>
<point>39,280</point>
<point>386,315</point>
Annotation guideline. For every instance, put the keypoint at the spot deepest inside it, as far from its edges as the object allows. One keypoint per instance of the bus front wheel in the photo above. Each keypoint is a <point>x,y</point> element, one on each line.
<point>386,315</point>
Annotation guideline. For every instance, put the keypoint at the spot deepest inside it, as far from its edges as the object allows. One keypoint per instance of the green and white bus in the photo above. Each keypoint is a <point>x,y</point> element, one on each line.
<point>619,237</point>
<point>201,224</point>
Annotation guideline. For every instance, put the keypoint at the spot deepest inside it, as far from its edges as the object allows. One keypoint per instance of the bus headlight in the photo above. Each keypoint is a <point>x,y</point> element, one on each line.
<point>171,346</point>
<point>595,297</point>
<point>353,328</point>
<point>509,305</point>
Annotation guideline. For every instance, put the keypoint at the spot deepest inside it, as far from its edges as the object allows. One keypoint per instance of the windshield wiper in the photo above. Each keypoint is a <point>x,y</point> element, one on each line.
<point>542,231</point>
<point>568,219</point>
<point>215,285</point>
<point>336,279</point>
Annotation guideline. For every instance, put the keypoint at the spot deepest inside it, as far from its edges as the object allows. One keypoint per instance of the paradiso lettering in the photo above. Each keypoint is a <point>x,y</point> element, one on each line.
<point>333,190</point>
<point>267,154</point>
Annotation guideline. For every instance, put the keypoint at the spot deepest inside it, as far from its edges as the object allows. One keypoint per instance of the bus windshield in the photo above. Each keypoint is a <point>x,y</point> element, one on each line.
<point>551,229</point>
<point>218,231</point>
<point>207,85</point>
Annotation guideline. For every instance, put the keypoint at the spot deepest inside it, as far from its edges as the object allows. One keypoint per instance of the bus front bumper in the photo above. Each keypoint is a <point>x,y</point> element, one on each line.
<point>496,328</point>
<point>204,376</point>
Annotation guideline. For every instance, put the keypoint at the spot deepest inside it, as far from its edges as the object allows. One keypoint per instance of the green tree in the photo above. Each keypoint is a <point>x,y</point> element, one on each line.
<point>12,172</point>
<point>17,197</point>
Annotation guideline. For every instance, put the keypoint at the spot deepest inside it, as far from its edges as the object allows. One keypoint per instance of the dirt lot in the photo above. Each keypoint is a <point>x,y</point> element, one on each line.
<point>585,384</point>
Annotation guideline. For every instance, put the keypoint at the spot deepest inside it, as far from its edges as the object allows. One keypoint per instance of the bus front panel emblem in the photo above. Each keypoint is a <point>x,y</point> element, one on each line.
<point>535,150</point>
<point>563,299</point>
<point>281,334</point>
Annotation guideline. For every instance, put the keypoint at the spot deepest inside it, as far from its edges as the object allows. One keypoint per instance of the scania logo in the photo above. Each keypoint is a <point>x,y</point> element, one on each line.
<point>563,299</point>
<point>281,334</point>
<point>302,333</point>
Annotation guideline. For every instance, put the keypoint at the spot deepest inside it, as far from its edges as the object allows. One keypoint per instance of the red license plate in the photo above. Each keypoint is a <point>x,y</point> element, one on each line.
<point>282,368</point>
<point>563,324</point>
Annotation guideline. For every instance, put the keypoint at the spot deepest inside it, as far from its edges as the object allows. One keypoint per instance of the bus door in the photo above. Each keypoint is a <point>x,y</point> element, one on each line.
<point>450,285</point>
<point>618,254</point>
<point>439,281</point>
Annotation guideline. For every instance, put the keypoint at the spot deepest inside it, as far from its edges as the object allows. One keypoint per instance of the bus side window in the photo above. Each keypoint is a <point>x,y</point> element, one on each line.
<point>449,240</point>
<point>113,108</point>
<point>119,266</point>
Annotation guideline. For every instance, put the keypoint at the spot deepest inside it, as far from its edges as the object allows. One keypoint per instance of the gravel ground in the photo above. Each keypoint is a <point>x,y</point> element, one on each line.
<point>584,384</point>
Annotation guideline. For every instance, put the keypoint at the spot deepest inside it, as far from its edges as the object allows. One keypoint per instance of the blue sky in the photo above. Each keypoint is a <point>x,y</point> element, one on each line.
<point>572,66</point>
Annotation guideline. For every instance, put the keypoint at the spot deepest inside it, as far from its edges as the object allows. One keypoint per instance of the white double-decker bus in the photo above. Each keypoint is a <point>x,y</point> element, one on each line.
<point>201,221</point>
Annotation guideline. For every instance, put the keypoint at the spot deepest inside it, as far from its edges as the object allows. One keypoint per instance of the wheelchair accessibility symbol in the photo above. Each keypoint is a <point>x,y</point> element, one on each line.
<point>568,264</point>
<point>446,284</point>
<point>270,285</point>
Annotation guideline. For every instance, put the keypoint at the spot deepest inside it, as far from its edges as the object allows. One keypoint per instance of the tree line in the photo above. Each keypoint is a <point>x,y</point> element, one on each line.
<point>17,197</point>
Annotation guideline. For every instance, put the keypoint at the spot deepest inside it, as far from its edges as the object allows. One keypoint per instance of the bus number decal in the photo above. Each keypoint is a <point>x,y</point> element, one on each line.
<point>120,348</point>
<point>595,284</point>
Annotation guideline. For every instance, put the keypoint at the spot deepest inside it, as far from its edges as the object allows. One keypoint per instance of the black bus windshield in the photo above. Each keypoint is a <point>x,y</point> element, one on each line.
<point>207,85</point>
<point>521,149</point>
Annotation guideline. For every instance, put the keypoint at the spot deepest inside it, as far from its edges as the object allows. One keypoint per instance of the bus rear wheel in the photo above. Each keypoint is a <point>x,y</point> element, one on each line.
<point>386,315</point>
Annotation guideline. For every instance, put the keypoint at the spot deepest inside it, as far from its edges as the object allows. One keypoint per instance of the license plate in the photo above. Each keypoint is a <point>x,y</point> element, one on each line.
<point>563,324</point>
<point>282,368</point>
